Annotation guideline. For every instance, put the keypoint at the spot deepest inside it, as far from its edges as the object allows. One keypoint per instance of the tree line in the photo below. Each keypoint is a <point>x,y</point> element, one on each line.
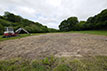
<point>15,21</point>
<point>97,22</point>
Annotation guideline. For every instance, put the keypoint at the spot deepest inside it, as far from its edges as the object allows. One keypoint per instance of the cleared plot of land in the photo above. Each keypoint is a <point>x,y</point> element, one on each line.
<point>57,44</point>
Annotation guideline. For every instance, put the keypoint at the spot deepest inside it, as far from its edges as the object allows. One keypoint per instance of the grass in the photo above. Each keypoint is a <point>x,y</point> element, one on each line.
<point>98,63</point>
<point>20,36</point>
<point>83,32</point>
<point>91,32</point>
<point>94,32</point>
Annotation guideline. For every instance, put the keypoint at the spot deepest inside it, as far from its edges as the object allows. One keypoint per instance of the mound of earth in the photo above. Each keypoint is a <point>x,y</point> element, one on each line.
<point>56,44</point>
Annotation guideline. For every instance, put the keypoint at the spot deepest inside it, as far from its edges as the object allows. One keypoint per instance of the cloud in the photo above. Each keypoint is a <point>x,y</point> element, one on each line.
<point>52,12</point>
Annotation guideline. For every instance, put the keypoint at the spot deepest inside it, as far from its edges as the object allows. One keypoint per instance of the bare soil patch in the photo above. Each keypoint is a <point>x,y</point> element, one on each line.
<point>57,44</point>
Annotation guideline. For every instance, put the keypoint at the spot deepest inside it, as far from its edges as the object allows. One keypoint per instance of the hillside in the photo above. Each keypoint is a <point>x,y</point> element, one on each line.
<point>15,21</point>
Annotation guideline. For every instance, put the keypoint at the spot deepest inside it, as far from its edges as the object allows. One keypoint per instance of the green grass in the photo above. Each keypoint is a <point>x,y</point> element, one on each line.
<point>20,36</point>
<point>98,63</point>
<point>90,32</point>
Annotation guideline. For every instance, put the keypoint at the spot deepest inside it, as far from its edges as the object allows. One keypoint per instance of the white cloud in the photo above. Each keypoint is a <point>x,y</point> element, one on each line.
<point>54,2</point>
<point>52,12</point>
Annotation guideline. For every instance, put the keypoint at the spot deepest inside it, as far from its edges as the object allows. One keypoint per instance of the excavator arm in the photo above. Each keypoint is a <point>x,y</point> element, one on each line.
<point>20,29</point>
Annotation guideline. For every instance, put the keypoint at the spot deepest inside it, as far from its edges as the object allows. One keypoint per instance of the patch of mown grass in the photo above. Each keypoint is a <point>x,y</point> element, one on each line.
<point>98,63</point>
<point>91,32</point>
<point>18,37</point>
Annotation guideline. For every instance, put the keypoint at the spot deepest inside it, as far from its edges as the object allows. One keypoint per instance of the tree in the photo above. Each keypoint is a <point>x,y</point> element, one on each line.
<point>1,29</point>
<point>68,25</point>
<point>80,26</point>
<point>72,21</point>
<point>97,22</point>
<point>64,26</point>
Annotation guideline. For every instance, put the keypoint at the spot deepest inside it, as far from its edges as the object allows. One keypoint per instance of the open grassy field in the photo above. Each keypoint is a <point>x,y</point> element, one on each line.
<point>71,51</point>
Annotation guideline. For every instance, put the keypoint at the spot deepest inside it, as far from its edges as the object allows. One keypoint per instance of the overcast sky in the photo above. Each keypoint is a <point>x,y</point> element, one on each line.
<point>52,12</point>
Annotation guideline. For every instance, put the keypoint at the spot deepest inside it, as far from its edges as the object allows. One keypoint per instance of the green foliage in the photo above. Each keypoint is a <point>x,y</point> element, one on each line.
<point>5,23</point>
<point>53,30</point>
<point>1,29</point>
<point>38,66</point>
<point>64,26</point>
<point>79,26</point>
<point>68,24</point>
<point>11,17</point>
<point>49,61</point>
<point>97,22</point>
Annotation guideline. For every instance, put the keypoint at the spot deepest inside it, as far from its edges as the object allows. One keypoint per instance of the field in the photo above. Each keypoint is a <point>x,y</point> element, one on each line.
<point>91,32</point>
<point>84,32</point>
<point>65,51</point>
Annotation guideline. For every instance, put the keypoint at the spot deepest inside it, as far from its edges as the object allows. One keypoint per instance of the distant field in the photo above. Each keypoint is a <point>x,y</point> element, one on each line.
<point>84,32</point>
<point>91,32</point>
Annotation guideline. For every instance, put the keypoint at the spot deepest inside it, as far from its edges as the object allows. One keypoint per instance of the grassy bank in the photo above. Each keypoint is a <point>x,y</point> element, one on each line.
<point>98,63</point>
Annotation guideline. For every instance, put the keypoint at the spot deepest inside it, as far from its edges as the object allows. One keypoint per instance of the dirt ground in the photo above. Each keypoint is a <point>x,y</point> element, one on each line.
<point>57,44</point>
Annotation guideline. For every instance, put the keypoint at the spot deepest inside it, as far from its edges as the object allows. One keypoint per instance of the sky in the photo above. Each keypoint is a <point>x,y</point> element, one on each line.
<point>52,12</point>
